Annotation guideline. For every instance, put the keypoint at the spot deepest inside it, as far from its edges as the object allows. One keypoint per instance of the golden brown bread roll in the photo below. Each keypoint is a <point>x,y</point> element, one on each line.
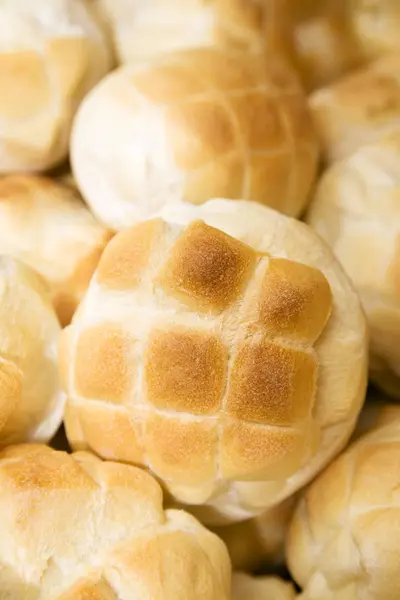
<point>375,25</point>
<point>362,107</point>
<point>76,528</point>
<point>47,226</point>
<point>190,126</point>
<point>51,53</point>
<point>233,371</point>
<point>141,30</point>
<point>344,542</point>
<point>259,541</point>
<point>245,587</point>
<point>357,211</point>
<point>31,400</point>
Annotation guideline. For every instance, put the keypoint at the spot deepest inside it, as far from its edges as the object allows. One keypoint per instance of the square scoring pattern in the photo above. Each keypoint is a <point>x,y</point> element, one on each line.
<point>271,378</point>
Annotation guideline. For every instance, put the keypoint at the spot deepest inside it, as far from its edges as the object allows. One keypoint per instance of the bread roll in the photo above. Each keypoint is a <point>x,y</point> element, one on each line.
<point>145,28</point>
<point>51,53</point>
<point>233,376</point>
<point>357,212</point>
<point>245,587</point>
<point>375,25</point>
<point>75,528</point>
<point>254,543</point>
<point>359,109</point>
<point>344,540</point>
<point>190,126</point>
<point>31,401</point>
<point>46,225</point>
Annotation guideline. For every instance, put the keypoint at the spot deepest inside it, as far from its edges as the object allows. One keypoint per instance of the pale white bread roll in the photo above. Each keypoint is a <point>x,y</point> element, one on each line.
<point>189,126</point>
<point>357,211</point>
<point>51,53</point>
<point>260,541</point>
<point>234,370</point>
<point>358,109</point>
<point>344,539</point>
<point>46,225</point>
<point>246,587</point>
<point>76,528</point>
<point>375,25</point>
<point>142,29</point>
<point>31,400</point>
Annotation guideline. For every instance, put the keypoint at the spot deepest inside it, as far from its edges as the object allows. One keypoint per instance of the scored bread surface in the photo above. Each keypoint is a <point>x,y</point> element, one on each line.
<point>75,528</point>
<point>190,126</point>
<point>198,356</point>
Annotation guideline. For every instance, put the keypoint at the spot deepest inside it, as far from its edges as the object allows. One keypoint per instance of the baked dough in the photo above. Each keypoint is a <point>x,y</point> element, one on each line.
<point>233,376</point>
<point>245,587</point>
<point>375,25</point>
<point>46,225</point>
<point>31,400</point>
<point>356,210</point>
<point>260,541</point>
<point>76,528</point>
<point>191,126</point>
<point>360,108</point>
<point>51,53</point>
<point>344,542</point>
<point>142,29</point>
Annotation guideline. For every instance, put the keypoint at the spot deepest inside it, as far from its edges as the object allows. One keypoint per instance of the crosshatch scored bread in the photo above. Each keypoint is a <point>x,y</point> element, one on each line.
<point>234,372</point>
<point>31,399</point>
<point>46,225</point>
<point>51,53</point>
<point>191,126</point>
<point>76,528</point>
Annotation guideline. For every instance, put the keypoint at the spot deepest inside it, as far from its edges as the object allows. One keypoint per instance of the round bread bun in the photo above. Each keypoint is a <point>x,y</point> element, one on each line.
<point>260,541</point>
<point>76,528</point>
<point>325,47</point>
<point>356,210</point>
<point>360,108</point>
<point>343,542</point>
<point>190,126</point>
<point>234,370</point>
<point>146,28</point>
<point>375,25</point>
<point>245,587</point>
<point>31,400</point>
<point>46,225</point>
<point>51,53</point>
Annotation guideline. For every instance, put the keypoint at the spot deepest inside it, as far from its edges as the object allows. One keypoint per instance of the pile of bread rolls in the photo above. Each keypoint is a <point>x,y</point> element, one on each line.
<point>199,300</point>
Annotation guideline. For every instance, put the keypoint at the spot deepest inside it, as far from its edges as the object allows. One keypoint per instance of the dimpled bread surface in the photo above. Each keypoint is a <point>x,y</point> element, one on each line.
<point>46,225</point>
<point>190,126</point>
<point>233,372</point>
<point>360,108</point>
<point>245,587</point>
<point>357,211</point>
<point>76,528</point>
<point>343,542</point>
<point>51,53</point>
<point>142,30</point>
<point>31,399</point>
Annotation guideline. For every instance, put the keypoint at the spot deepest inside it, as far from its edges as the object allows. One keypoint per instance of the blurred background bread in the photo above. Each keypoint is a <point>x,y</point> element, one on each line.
<point>145,361</point>
<point>259,542</point>
<point>245,587</point>
<point>357,211</point>
<point>31,400</point>
<point>51,53</point>
<point>190,126</point>
<point>74,528</point>
<point>46,225</point>
<point>147,28</point>
<point>358,109</point>
<point>344,540</point>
